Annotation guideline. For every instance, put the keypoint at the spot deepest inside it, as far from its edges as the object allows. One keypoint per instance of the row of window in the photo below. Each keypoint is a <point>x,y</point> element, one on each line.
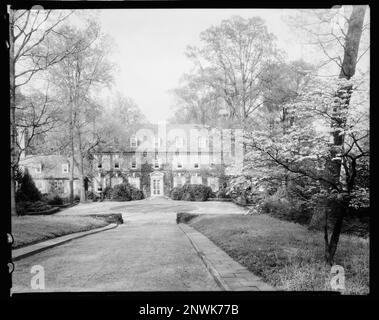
<point>179,142</point>
<point>156,164</point>
<point>65,168</point>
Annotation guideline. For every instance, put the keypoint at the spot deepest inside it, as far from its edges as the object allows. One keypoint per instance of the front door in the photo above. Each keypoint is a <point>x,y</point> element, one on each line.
<point>156,187</point>
<point>156,184</point>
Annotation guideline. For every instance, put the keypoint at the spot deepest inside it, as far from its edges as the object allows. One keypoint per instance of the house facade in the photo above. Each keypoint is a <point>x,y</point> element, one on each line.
<point>51,174</point>
<point>159,158</point>
<point>155,159</point>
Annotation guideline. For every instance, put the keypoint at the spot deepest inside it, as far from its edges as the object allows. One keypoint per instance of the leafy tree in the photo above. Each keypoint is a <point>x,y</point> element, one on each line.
<point>196,102</point>
<point>230,62</point>
<point>119,121</point>
<point>304,151</point>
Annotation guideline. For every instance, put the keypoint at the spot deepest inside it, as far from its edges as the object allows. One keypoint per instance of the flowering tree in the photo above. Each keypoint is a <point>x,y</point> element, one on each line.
<point>305,151</point>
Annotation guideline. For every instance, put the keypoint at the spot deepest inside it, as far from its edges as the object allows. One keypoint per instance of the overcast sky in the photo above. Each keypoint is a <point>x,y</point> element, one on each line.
<point>150,46</point>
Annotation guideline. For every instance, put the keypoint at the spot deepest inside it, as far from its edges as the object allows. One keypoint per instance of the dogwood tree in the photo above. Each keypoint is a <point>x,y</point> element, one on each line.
<point>306,149</point>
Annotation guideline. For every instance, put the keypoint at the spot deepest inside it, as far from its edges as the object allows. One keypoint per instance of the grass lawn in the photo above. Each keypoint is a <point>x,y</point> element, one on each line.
<point>286,254</point>
<point>32,229</point>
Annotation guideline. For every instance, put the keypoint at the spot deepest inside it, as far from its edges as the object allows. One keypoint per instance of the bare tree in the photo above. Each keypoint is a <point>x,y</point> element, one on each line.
<point>36,115</point>
<point>76,78</point>
<point>29,54</point>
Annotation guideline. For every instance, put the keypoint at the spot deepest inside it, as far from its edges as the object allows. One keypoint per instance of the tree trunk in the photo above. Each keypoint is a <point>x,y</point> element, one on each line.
<point>71,182</point>
<point>343,94</point>
<point>12,113</point>
<point>72,156</point>
<point>331,247</point>
<point>83,196</point>
<point>353,37</point>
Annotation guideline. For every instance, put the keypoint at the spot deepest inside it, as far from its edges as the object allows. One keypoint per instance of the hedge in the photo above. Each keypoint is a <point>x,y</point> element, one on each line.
<point>126,192</point>
<point>192,192</point>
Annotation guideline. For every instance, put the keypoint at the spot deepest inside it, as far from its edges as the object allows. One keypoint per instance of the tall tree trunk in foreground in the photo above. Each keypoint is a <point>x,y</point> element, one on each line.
<point>343,95</point>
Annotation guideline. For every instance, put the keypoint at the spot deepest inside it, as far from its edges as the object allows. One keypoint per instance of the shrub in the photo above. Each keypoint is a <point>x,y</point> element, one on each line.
<point>110,217</point>
<point>176,193</point>
<point>91,196</point>
<point>136,194</point>
<point>283,207</point>
<point>27,190</point>
<point>244,190</point>
<point>24,207</point>
<point>126,192</point>
<point>37,206</point>
<point>222,193</point>
<point>107,193</point>
<point>20,208</point>
<point>201,192</point>
<point>184,217</point>
<point>54,200</point>
<point>191,192</point>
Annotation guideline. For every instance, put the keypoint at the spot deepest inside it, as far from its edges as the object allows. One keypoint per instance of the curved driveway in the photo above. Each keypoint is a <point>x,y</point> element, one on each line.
<point>147,253</point>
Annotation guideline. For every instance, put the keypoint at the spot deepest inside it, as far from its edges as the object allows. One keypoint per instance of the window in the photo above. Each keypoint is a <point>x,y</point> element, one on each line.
<point>65,168</point>
<point>116,162</point>
<point>39,168</point>
<point>156,164</point>
<point>133,142</point>
<point>99,162</point>
<point>134,164</point>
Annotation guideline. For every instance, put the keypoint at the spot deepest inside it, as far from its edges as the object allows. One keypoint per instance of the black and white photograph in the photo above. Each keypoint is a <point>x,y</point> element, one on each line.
<point>183,149</point>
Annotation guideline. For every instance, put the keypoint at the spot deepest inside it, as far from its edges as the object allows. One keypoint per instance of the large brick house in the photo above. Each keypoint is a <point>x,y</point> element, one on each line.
<point>154,159</point>
<point>158,158</point>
